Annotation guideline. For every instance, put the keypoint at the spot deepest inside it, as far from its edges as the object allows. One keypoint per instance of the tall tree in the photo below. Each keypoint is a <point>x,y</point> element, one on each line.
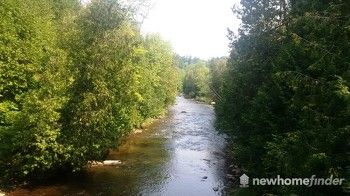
<point>286,92</point>
<point>32,88</point>
<point>74,80</point>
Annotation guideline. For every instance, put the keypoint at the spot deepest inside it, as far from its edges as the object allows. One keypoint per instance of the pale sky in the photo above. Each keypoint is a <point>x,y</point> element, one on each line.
<point>193,27</point>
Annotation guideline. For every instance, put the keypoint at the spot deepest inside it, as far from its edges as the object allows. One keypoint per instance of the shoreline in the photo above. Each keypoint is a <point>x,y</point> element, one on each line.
<point>137,130</point>
<point>142,127</point>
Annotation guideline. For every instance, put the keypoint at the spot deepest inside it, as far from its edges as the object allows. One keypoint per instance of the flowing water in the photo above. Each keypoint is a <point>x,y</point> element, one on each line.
<point>180,154</point>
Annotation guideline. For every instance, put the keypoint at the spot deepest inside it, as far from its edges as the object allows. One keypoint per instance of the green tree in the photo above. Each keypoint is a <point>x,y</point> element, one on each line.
<point>286,91</point>
<point>196,81</point>
<point>159,77</point>
<point>32,88</point>
<point>217,68</point>
<point>74,80</point>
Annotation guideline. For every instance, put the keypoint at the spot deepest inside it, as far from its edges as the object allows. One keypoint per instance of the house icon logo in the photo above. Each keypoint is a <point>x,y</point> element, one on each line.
<point>244,181</point>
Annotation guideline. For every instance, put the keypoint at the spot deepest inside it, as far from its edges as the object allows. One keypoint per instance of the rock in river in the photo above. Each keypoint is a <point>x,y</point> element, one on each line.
<point>112,162</point>
<point>105,163</point>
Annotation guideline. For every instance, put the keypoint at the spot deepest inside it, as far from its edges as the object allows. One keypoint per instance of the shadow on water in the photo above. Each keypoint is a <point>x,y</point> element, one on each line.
<point>181,154</point>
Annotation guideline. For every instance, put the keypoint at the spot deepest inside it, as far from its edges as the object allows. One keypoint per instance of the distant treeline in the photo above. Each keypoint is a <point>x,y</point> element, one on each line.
<point>201,79</point>
<point>75,78</point>
<point>284,98</point>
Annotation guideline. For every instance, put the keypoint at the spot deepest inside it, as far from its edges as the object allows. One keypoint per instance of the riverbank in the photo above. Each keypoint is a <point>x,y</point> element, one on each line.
<point>205,100</point>
<point>143,127</point>
<point>179,154</point>
<point>7,189</point>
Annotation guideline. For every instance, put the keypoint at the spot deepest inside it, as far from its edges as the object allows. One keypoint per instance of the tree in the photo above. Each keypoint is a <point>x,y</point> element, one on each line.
<point>217,68</point>
<point>196,80</point>
<point>74,80</point>
<point>159,77</point>
<point>286,91</point>
<point>32,88</point>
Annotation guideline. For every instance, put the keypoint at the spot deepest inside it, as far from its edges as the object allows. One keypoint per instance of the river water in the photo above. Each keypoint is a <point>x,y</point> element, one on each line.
<point>181,154</point>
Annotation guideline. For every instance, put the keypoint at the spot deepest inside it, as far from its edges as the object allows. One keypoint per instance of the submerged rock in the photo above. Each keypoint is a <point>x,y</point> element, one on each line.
<point>207,160</point>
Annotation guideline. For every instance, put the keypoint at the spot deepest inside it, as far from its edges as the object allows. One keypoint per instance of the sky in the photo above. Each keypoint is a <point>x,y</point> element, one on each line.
<point>193,27</point>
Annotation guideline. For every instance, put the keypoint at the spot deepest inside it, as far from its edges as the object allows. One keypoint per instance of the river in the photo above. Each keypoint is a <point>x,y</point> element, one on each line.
<point>181,154</point>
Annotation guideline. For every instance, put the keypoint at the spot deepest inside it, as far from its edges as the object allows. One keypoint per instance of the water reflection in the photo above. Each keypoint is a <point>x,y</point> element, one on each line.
<point>178,155</point>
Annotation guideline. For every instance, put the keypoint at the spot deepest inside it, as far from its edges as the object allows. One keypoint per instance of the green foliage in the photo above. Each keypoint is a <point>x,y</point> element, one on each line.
<point>183,61</point>
<point>201,79</point>
<point>196,80</point>
<point>74,80</point>
<point>285,99</point>
<point>31,88</point>
<point>217,68</point>
<point>159,77</point>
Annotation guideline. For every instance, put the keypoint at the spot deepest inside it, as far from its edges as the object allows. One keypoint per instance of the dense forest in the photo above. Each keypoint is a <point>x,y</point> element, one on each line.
<point>284,99</point>
<point>75,78</point>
